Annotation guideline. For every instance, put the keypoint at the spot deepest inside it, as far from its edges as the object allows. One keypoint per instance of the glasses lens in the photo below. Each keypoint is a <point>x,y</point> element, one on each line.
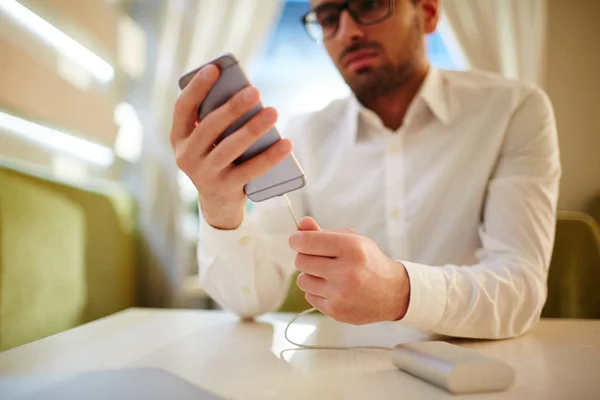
<point>312,26</point>
<point>322,23</point>
<point>370,11</point>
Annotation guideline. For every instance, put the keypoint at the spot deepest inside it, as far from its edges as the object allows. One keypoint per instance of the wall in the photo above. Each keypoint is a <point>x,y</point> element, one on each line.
<point>573,84</point>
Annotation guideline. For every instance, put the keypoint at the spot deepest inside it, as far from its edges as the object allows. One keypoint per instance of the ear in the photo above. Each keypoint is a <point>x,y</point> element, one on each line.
<point>430,11</point>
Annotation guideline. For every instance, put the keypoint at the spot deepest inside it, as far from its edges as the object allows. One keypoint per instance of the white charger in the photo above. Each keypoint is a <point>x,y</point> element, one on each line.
<point>456,369</point>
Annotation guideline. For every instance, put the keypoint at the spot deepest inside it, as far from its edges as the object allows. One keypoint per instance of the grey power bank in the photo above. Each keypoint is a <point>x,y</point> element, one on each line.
<point>455,369</point>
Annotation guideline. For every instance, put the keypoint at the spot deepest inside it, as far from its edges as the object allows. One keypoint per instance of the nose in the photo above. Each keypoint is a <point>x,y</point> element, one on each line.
<point>348,29</point>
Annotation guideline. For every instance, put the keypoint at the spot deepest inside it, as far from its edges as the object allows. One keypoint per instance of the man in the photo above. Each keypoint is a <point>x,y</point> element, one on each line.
<point>448,179</point>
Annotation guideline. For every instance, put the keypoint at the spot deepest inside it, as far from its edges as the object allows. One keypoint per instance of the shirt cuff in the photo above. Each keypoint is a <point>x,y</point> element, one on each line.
<point>428,296</point>
<point>221,237</point>
<point>225,258</point>
<point>231,245</point>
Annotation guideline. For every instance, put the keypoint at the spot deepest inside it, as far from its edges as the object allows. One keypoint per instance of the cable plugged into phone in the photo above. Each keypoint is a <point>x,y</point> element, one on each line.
<point>288,204</point>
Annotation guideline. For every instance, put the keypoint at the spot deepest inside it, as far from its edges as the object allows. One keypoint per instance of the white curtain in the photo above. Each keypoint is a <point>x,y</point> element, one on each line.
<point>191,33</point>
<point>236,26</point>
<point>506,36</point>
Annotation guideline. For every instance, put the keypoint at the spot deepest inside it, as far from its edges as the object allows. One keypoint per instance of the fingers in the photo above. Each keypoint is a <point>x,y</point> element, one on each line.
<point>321,243</point>
<point>344,230</point>
<point>312,284</point>
<point>321,267</point>
<point>261,164</point>
<point>215,123</point>
<point>309,224</point>
<point>233,146</point>
<point>191,97</point>
<point>199,153</point>
<point>317,302</point>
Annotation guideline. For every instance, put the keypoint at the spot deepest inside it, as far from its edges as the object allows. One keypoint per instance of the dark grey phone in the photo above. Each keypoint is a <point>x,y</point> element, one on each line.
<point>285,176</point>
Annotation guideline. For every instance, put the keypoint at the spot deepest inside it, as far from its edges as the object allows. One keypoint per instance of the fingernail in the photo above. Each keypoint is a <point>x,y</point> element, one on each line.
<point>206,72</point>
<point>248,94</point>
<point>284,146</point>
<point>268,115</point>
<point>296,236</point>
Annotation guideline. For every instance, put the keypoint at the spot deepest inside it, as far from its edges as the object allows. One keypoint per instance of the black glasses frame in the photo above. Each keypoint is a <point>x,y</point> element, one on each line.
<point>341,7</point>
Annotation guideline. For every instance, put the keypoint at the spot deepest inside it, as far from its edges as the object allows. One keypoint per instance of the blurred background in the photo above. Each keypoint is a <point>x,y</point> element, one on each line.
<point>95,216</point>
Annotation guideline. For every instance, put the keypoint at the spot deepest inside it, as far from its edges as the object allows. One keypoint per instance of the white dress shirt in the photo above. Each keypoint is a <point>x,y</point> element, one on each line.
<point>464,194</point>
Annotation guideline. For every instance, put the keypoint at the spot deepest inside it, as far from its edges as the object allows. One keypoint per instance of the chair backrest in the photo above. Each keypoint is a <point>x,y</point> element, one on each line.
<point>574,275</point>
<point>42,261</point>
<point>593,208</point>
<point>295,301</point>
<point>110,239</point>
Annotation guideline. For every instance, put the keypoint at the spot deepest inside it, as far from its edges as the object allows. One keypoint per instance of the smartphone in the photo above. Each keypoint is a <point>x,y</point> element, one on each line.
<point>286,176</point>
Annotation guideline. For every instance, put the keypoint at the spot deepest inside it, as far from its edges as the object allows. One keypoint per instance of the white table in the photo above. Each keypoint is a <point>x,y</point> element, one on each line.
<point>560,359</point>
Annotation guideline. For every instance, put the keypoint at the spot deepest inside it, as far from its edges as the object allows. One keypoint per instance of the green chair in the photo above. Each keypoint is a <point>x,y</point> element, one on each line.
<point>574,275</point>
<point>110,246</point>
<point>42,262</point>
<point>295,301</point>
<point>593,209</point>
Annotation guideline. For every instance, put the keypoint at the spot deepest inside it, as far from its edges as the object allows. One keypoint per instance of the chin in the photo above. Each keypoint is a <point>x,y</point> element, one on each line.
<point>362,78</point>
<point>364,71</point>
<point>375,81</point>
<point>353,74</point>
<point>359,76</point>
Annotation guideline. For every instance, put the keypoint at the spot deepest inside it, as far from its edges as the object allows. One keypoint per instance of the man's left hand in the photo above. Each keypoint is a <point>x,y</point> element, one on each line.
<point>347,277</point>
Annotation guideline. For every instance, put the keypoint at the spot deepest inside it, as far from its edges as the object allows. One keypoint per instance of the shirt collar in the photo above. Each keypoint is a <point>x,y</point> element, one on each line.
<point>432,93</point>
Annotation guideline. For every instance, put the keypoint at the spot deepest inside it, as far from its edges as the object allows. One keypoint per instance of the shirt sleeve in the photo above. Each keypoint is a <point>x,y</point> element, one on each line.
<point>503,294</point>
<point>248,270</point>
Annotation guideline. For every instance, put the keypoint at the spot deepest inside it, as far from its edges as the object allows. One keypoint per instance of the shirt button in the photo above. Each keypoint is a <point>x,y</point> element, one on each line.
<point>395,214</point>
<point>246,290</point>
<point>245,240</point>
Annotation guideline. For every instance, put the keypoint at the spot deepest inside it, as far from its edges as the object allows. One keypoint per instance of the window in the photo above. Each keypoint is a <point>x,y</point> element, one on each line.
<point>295,74</point>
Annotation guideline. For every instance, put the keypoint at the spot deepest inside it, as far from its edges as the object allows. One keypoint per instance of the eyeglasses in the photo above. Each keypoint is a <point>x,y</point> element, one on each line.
<point>322,23</point>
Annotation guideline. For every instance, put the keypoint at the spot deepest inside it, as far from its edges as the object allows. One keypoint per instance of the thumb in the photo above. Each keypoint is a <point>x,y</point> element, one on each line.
<point>309,224</point>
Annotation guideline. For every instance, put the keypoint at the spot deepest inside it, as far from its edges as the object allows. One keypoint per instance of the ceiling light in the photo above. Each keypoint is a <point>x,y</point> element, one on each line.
<point>57,140</point>
<point>56,39</point>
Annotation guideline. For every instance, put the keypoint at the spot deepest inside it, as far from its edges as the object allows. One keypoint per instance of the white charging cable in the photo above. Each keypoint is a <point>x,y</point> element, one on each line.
<point>288,204</point>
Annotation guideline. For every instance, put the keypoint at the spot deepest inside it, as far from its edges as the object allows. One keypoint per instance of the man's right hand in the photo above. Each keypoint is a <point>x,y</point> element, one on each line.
<point>220,184</point>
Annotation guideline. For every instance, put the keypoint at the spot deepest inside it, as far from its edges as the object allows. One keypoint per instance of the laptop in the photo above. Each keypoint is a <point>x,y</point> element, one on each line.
<point>125,384</point>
